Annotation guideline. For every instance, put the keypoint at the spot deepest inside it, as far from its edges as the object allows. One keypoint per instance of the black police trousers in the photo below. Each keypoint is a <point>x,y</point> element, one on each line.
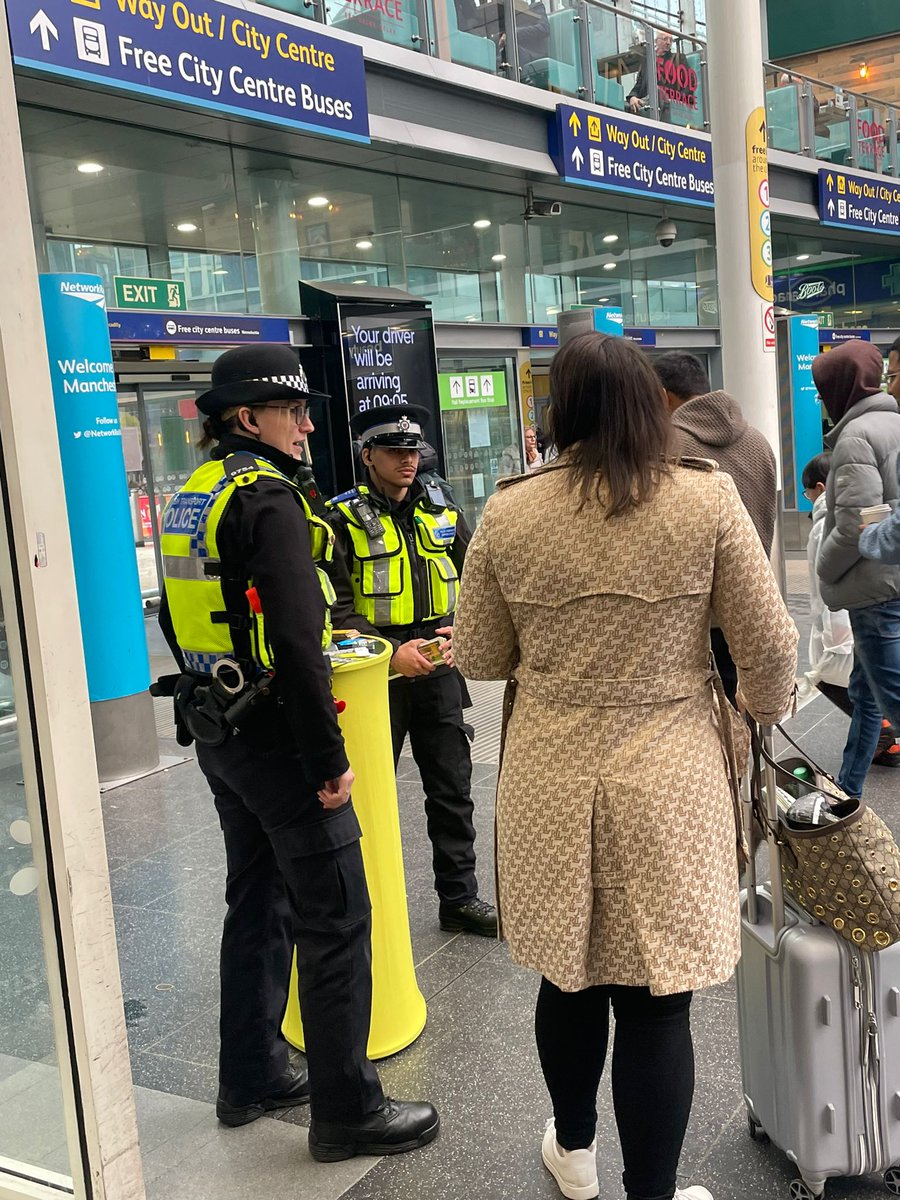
<point>429,709</point>
<point>295,878</point>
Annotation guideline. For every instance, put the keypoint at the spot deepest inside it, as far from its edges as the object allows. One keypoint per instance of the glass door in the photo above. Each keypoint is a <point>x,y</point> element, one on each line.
<point>160,431</point>
<point>34,1137</point>
<point>479,415</point>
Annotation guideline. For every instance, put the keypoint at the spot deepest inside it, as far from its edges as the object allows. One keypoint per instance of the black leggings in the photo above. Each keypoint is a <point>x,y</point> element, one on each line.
<point>652,1075</point>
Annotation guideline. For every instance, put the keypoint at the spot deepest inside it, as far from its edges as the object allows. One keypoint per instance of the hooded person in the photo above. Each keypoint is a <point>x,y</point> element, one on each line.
<point>865,444</point>
<point>708,424</point>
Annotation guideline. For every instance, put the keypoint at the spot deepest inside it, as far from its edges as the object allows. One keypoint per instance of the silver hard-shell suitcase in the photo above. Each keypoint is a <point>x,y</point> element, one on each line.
<point>819,1025</point>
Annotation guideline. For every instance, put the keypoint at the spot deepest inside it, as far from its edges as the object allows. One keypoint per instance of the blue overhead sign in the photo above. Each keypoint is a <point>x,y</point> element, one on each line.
<point>834,337</point>
<point>621,155</point>
<point>199,52</point>
<point>540,335</point>
<point>854,202</point>
<point>641,337</point>
<point>194,328</point>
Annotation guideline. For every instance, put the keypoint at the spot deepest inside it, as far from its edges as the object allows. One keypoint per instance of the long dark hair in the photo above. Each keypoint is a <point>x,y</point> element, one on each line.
<point>607,410</point>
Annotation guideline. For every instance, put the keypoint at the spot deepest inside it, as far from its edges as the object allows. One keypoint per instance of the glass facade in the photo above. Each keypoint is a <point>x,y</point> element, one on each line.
<point>858,286</point>
<point>240,227</point>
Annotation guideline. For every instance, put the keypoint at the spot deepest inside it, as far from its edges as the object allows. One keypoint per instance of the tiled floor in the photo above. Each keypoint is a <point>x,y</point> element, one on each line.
<point>475,1059</point>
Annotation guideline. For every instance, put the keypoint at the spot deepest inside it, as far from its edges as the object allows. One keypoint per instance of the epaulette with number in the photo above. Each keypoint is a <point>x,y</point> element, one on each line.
<point>355,493</point>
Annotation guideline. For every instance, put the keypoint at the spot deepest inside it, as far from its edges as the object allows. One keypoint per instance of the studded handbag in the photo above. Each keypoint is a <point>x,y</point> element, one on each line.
<point>845,874</point>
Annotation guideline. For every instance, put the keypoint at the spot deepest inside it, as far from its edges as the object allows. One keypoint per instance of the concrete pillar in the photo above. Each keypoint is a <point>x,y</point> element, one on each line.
<point>276,242</point>
<point>743,225</point>
<point>106,576</point>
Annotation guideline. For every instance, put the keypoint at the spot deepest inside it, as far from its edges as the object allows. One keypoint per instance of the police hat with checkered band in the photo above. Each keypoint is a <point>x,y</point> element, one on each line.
<point>396,425</point>
<point>263,374</point>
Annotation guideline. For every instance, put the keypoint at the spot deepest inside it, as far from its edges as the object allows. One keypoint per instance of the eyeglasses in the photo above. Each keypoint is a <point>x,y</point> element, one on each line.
<point>890,376</point>
<point>298,412</point>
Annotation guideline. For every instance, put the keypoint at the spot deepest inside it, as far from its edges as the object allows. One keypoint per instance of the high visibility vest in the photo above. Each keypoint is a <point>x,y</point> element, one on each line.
<point>401,577</point>
<point>206,628</point>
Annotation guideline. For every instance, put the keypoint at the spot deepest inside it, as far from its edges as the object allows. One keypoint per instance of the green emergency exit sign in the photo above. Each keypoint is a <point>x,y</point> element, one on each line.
<point>150,294</point>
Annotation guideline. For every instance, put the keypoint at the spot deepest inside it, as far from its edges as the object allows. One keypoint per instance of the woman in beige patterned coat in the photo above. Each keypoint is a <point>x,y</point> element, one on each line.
<point>593,582</point>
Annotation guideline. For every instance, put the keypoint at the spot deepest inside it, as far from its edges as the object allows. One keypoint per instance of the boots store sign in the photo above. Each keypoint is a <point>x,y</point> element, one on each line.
<point>208,55</point>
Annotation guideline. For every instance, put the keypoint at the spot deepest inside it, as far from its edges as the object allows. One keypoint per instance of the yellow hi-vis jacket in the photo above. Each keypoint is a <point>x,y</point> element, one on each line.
<point>405,574</point>
<point>204,624</point>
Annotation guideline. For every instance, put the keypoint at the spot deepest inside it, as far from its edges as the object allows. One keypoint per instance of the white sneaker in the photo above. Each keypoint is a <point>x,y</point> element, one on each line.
<point>692,1193</point>
<point>575,1171</point>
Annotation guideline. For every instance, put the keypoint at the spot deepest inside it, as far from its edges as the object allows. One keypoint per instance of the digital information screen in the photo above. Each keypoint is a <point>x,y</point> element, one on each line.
<point>388,358</point>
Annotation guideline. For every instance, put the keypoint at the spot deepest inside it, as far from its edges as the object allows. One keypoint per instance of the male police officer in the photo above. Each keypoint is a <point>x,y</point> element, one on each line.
<point>402,542</point>
<point>245,613</point>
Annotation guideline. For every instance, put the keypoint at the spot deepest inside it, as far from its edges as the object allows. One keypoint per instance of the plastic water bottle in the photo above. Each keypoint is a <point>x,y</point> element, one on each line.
<point>812,810</point>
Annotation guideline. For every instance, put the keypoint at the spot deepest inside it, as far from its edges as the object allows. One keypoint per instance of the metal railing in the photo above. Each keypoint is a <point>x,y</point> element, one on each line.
<point>611,55</point>
<point>819,120</point>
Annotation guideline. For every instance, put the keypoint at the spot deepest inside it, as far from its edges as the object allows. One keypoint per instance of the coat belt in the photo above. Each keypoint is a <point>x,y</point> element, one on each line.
<point>613,693</point>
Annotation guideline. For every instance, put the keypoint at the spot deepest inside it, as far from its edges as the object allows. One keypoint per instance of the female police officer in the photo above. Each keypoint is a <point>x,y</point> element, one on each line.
<point>245,615</point>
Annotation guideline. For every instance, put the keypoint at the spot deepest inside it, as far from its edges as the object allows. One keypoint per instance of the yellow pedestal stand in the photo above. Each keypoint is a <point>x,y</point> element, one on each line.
<point>398,1007</point>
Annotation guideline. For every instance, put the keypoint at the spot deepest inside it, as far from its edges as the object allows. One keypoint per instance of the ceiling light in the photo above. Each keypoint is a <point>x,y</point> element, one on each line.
<point>498,258</point>
<point>802,257</point>
<point>609,266</point>
<point>365,244</point>
<point>610,238</point>
<point>186,227</point>
<point>220,271</point>
<point>359,281</point>
<point>854,312</point>
<point>552,312</point>
<point>605,300</point>
<point>90,168</point>
<point>482,223</point>
<point>317,201</point>
<point>471,317</point>
<point>864,70</point>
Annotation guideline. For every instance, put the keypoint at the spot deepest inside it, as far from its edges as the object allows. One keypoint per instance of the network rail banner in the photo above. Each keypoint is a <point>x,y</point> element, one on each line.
<point>620,155</point>
<point>209,55</point>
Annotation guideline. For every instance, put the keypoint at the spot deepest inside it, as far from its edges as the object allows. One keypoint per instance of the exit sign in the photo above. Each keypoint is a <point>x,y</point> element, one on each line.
<point>150,294</point>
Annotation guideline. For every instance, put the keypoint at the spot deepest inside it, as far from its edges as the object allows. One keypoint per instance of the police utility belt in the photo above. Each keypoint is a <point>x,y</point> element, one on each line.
<point>209,709</point>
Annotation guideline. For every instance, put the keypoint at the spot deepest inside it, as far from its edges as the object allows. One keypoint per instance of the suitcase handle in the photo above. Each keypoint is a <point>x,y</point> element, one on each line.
<point>762,771</point>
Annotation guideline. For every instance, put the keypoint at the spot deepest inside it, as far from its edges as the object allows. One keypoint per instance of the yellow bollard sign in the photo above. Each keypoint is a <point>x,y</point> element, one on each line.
<point>398,1007</point>
<point>760,219</point>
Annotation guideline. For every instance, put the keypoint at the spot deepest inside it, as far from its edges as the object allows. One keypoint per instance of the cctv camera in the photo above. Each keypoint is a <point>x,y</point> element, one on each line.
<point>542,208</point>
<point>666,231</point>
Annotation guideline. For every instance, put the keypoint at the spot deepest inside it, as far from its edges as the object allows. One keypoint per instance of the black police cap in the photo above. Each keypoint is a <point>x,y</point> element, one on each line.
<point>397,425</point>
<point>260,374</point>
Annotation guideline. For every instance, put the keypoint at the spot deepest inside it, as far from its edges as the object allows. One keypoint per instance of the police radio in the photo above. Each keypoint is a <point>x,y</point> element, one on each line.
<point>362,511</point>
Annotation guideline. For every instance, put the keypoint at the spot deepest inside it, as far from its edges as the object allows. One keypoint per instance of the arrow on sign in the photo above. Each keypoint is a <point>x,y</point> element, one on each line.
<point>575,123</point>
<point>456,387</point>
<point>831,208</point>
<point>830,181</point>
<point>40,21</point>
<point>577,158</point>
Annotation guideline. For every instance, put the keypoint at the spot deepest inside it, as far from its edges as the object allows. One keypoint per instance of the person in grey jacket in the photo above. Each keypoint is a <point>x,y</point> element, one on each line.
<point>866,443</point>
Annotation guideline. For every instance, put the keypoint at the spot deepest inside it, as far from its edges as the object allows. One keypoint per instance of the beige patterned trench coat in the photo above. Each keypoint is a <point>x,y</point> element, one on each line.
<point>615,823</point>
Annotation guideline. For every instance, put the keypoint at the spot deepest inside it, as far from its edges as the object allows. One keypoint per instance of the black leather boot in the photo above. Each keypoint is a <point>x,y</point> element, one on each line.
<point>396,1127</point>
<point>233,1108</point>
<point>475,916</point>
